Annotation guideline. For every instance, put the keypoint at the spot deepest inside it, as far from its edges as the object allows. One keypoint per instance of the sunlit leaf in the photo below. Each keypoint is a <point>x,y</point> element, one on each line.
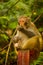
<point>12,25</point>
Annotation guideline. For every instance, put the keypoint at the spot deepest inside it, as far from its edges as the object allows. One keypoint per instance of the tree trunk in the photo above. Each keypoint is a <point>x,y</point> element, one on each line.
<point>23,57</point>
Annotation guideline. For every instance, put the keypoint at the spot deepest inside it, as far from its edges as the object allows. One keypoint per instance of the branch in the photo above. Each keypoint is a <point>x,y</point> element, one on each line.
<point>12,6</point>
<point>9,46</point>
<point>37,18</point>
<point>4,48</point>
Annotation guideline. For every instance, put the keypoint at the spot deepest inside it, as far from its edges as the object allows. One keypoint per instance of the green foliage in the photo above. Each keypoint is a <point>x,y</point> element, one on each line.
<point>40,59</point>
<point>12,25</point>
<point>9,14</point>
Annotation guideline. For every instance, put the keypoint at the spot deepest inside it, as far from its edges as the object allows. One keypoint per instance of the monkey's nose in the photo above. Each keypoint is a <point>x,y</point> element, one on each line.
<point>22,23</point>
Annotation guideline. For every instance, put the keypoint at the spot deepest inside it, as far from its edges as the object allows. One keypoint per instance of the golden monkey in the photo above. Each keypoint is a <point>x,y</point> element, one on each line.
<point>28,37</point>
<point>25,22</point>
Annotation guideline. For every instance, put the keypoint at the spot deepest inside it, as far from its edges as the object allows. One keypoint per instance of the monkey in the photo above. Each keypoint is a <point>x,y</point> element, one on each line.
<point>25,22</point>
<point>28,37</point>
<point>27,29</point>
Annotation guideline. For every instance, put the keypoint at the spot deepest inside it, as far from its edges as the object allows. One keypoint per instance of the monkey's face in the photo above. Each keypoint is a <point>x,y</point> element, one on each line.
<point>24,22</point>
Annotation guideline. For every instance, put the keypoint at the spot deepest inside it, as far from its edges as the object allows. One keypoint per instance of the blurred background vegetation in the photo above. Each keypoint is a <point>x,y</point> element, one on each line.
<point>10,10</point>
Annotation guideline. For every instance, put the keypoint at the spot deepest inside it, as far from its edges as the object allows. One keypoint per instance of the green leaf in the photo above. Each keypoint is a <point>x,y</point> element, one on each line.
<point>12,25</point>
<point>41,29</point>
